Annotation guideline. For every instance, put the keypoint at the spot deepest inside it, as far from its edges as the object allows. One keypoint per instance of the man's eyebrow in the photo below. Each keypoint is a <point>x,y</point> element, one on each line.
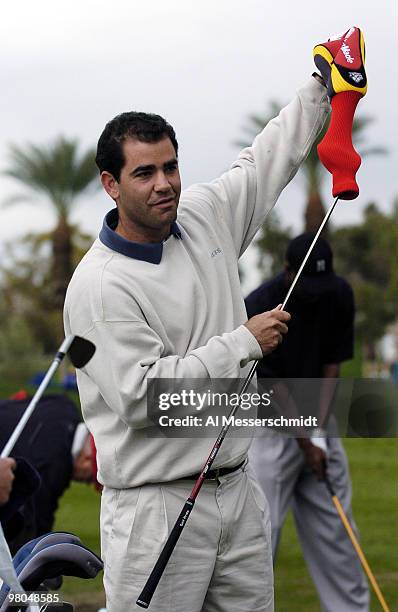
<point>147,168</point>
<point>151,167</point>
<point>171,162</point>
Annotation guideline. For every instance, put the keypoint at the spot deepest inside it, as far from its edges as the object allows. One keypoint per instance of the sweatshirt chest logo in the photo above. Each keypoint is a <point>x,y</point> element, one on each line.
<point>216,252</point>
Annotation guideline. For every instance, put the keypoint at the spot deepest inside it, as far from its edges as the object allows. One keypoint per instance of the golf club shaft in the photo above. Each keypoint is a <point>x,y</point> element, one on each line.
<point>146,594</point>
<point>357,547</point>
<point>63,349</point>
<point>325,220</point>
<point>289,293</point>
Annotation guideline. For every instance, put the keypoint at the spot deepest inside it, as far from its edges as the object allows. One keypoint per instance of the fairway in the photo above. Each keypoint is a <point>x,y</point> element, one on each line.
<point>374,472</point>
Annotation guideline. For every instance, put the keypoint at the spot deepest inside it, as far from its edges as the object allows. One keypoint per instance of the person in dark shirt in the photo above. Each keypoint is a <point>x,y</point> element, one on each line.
<point>290,470</point>
<point>47,445</point>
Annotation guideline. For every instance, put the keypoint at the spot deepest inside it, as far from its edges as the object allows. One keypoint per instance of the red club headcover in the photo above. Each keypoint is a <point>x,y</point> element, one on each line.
<point>336,150</point>
<point>342,63</point>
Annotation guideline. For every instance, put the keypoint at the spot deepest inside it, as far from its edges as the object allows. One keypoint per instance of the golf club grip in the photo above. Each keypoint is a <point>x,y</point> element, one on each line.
<point>147,592</point>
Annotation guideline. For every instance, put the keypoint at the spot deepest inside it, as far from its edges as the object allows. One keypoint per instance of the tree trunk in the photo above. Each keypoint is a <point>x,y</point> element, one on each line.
<point>61,268</point>
<point>314,213</point>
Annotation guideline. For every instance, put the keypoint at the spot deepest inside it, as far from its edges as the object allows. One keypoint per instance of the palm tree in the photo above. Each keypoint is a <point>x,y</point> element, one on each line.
<point>58,173</point>
<point>312,168</point>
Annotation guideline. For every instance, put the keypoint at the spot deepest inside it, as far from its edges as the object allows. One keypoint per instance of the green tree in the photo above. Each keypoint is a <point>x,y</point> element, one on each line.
<point>272,243</point>
<point>365,254</point>
<point>26,288</point>
<point>59,176</point>
<point>20,354</point>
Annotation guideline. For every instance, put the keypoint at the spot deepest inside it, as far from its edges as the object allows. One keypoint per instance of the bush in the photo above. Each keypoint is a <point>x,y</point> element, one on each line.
<point>20,356</point>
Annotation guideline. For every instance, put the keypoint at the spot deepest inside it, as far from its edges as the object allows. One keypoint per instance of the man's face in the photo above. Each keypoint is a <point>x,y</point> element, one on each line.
<point>148,191</point>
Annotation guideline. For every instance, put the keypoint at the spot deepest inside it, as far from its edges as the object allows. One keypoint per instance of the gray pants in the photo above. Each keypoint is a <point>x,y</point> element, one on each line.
<point>222,562</point>
<point>288,483</point>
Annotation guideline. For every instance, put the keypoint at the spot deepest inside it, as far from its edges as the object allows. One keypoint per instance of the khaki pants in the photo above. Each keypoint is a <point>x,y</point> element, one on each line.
<point>222,562</point>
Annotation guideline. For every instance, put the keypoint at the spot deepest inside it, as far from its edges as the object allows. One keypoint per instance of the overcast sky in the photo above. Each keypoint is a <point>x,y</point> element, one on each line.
<point>68,67</point>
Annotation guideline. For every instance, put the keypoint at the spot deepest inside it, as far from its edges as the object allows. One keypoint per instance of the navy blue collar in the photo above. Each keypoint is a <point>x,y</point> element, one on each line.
<point>150,252</point>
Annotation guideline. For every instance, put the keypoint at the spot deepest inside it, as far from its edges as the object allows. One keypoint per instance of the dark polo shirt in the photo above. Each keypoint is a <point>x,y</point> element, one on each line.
<point>320,331</point>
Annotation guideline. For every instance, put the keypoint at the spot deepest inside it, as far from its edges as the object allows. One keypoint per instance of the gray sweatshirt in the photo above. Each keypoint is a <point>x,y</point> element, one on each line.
<point>183,316</point>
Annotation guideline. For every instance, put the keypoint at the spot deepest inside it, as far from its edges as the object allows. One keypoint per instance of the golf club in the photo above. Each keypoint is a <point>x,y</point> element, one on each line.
<point>80,352</point>
<point>147,593</point>
<point>356,545</point>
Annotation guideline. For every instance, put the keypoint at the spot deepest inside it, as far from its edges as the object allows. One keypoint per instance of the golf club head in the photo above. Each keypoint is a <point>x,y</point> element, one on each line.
<point>81,351</point>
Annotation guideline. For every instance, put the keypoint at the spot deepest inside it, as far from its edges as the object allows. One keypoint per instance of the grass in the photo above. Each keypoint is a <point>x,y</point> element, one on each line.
<point>374,471</point>
<point>79,514</point>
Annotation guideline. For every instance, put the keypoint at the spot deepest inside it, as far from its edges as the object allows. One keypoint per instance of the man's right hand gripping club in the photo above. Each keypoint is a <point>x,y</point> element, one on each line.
<point>269,328</point>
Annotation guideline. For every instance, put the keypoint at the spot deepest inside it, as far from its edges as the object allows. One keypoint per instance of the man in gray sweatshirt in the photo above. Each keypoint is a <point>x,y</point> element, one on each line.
<point>159,295</point>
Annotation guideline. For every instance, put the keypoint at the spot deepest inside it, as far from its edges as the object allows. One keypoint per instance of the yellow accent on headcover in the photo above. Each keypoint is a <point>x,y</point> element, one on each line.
<point>362,43</point>
<point>339,84</point>
<point>324,52</point>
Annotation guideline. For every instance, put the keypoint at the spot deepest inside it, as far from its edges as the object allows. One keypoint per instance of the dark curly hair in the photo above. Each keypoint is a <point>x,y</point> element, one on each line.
<point>145,127</point>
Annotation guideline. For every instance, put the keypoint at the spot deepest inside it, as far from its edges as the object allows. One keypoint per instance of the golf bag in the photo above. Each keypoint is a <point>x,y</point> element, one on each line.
<point>47,557</point>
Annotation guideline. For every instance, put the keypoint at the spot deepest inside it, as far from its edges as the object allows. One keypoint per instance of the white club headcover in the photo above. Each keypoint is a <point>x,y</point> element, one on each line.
<point>319,439</point>
<point>79,439</point>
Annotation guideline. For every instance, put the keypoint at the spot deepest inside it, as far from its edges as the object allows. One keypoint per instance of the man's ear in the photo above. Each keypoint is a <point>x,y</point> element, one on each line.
<point>110,185</point>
